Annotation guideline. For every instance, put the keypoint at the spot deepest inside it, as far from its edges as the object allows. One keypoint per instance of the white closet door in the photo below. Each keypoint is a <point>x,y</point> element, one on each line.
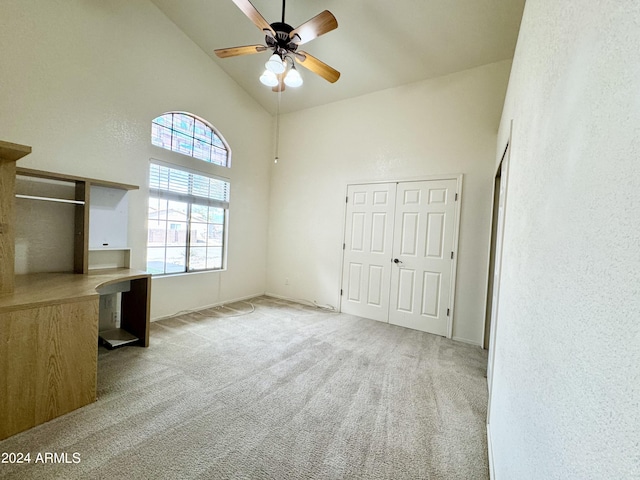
<point>422,255</point>
<point>367,264</point>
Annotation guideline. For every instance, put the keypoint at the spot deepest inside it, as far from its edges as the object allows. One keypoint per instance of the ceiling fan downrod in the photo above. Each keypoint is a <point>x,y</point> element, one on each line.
<point>281,43</point>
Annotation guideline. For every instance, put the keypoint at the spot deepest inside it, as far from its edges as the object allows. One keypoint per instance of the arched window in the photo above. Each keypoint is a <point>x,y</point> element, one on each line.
<point>189,135</point>
<point>188,209</point>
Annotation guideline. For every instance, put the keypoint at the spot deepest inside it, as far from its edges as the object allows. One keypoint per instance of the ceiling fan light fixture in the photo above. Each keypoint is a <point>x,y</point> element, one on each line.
<point>293,78</point>
<point>269,78</point>
<point>275,64</point>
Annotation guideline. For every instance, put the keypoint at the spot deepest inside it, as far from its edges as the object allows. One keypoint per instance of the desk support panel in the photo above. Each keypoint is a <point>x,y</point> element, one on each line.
<point>136,306</point>
<point>48,362</point>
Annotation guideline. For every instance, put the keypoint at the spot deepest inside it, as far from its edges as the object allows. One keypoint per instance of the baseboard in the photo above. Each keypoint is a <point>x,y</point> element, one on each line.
<point>465,340</point>
<point>217,304</point>
<point>492,474</point>
<point>275,295</point>
<point>296,300</point>
<point>307,302</point>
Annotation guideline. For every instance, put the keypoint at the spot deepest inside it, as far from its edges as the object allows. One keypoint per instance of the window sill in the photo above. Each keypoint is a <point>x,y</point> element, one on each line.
<point>182,274</point>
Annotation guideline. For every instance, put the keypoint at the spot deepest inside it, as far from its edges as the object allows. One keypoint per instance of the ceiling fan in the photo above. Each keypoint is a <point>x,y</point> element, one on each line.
<point>284,40</point>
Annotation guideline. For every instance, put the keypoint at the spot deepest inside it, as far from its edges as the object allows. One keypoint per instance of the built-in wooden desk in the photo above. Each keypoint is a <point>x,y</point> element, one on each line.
<point>49,341</point>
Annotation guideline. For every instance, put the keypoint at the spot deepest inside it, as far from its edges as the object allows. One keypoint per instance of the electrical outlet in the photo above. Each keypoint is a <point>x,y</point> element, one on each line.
<point>114,318</point>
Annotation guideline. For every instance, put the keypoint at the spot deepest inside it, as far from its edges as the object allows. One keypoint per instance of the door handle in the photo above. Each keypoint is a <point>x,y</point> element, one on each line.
<point>396,261</point>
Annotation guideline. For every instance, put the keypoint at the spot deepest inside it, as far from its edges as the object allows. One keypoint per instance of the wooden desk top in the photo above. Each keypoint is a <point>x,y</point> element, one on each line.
<point>41,289</point>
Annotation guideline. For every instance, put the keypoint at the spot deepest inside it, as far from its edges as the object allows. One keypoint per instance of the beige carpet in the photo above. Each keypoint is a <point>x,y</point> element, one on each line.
<point>283,392</point>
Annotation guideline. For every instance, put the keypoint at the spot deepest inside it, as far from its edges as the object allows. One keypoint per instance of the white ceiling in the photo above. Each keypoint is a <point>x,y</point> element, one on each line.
<point>377,45</point>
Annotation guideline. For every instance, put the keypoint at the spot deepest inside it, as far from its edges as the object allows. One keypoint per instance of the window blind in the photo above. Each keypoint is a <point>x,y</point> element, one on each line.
<point>185,186</point>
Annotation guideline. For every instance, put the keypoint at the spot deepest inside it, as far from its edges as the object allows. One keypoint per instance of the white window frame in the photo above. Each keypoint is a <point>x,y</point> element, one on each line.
<point>216,143</point>
<point>169,158</point>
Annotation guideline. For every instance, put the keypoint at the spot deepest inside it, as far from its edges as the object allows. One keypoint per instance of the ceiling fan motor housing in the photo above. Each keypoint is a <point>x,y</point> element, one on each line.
<point>281,43</point>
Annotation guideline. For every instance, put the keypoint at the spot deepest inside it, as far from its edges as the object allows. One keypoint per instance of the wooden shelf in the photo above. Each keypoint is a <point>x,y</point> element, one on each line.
<point>109,257</point>
<point>45,289</point>
<point>82,201</point>
<point>11,152</point>
<point>63,177</point>
<point>117,337</point>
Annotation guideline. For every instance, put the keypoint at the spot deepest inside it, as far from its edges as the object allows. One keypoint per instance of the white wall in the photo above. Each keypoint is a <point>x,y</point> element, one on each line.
<point>442,126</point>
<point>81,82</point>
<point>566,392</point>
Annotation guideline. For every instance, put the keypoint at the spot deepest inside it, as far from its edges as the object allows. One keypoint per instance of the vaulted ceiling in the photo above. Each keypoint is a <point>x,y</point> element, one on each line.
<point>377,45</point>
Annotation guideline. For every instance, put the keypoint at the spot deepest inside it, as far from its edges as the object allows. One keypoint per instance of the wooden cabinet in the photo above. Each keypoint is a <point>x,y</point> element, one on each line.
<point>48,362</point>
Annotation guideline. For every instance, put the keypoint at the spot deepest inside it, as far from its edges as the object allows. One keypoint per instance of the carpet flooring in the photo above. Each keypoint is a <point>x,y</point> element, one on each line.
<point>273,390</point>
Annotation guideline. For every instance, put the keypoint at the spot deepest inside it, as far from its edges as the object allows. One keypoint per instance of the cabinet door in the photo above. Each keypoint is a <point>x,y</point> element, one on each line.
<point>108,218</point>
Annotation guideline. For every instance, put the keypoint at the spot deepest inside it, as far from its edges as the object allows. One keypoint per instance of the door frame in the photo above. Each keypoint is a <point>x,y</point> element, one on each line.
<point>492,309</point>
<point>458,177</point>
<point>491,266</point>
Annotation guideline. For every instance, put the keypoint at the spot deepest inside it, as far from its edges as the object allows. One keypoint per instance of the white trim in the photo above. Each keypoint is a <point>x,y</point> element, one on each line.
<point>488,266</point>
<point>302,301</point>
<point>342,250</point>
<point>194,272</point>
<point>467,341</point>
<point>421,178</point>
<point>454,265</point>
<point>280,297</point>
<point>217,304</point>
<point>492,472</point>
<point>504,182</point>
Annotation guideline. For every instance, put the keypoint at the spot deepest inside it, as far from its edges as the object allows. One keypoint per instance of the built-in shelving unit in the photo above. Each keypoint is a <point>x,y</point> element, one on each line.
<point>107,257</point>
<point>82,202</point>
<point>49,367</point>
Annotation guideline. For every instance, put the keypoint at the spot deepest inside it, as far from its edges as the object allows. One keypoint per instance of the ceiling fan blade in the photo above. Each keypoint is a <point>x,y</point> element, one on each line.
<point>319,25</point>
<point>318,67</point>
<point>237,51</point>
<point>250,11</point>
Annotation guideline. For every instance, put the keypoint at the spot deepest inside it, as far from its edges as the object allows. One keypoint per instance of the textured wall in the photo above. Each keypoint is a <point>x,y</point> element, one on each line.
<point>81,82</point>
<point>442,126</point>
<point>566,397</point>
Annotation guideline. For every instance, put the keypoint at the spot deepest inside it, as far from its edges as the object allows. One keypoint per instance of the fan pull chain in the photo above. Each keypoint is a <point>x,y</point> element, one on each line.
<point>278,128</point>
